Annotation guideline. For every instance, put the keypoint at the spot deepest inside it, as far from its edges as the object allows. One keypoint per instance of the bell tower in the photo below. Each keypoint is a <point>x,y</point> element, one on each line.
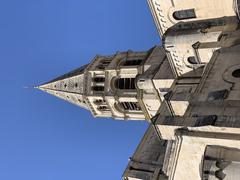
<point>112,86</point>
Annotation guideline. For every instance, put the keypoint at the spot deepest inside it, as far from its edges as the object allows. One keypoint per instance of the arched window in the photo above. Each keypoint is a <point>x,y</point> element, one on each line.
<point>184,14</point>
<point>125,83</point>
<point>98,88</point>
<point>192,60</point>
<point>99,79</point>
<point>130,106</point>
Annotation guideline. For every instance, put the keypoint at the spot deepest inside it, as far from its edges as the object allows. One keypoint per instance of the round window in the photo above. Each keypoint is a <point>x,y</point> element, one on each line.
<point>192,60</point>
<point>236,73</point>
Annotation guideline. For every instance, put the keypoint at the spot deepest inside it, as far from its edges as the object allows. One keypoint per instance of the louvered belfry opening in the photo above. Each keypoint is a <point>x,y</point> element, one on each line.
<point>125,83</point>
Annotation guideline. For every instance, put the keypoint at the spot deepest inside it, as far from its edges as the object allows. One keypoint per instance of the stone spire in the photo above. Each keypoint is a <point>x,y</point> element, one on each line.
<point>112,86</point>
<point>69,87</point>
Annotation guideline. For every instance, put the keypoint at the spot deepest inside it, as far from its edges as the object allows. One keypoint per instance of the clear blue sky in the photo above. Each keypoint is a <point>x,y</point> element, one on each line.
<point>41,136</point>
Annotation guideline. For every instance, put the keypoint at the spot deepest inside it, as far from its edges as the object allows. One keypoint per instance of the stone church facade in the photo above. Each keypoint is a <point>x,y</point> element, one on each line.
<point>188,90</point>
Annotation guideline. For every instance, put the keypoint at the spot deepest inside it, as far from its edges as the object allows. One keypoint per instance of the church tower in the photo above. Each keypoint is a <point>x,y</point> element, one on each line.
<point>121,86</point>
<point>189,91</point>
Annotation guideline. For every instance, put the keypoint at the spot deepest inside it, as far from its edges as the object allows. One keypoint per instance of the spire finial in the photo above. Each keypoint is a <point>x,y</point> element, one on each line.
<point>30,87</point>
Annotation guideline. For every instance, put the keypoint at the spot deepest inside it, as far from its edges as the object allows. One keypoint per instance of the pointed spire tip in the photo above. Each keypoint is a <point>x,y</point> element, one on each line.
<point>31,87</point>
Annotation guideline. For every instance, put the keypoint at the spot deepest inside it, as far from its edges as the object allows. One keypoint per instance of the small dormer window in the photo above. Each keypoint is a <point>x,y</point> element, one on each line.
<point>103,108</point>
<point>99,101</point>
<point>184,14</point>
<point>192,60</point>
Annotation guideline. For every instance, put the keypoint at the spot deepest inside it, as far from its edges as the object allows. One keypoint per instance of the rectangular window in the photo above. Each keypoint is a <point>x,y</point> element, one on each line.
<point>98,88</point>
